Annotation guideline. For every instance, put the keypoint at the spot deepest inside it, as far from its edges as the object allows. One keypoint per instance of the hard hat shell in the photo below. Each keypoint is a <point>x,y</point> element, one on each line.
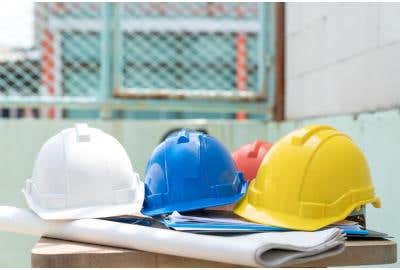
<point>83,172</point>
<point>249,157</point>
<point>174,131</point>
<point>189,171</point>
<point>311,178</point>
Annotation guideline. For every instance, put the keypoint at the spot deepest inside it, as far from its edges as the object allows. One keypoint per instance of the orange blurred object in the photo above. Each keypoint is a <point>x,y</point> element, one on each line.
<point>248,157</point>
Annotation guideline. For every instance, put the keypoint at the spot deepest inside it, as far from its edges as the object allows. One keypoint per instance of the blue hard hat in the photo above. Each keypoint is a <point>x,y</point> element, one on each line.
<point>189,171</point>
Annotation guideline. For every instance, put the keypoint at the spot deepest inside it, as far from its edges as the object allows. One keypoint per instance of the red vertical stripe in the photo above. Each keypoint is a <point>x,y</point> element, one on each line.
<point>241,68</point>
<point>48,68</point>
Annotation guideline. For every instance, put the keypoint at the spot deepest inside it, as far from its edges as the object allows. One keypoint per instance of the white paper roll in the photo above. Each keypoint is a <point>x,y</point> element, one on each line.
<point>269,249</point>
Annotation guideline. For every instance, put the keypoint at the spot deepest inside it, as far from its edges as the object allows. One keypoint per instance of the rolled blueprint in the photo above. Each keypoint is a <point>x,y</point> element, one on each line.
<point>269,249</point>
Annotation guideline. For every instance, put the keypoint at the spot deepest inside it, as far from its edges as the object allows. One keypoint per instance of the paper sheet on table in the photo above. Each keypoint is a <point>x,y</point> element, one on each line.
<point>177,217</point>
<point>208,222</point>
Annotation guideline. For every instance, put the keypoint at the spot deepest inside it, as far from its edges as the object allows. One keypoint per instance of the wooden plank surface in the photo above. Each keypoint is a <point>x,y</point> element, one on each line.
<point>59,253</point>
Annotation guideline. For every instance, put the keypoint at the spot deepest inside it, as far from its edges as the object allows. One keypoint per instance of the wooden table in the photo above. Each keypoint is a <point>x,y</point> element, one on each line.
<point>58,253</point>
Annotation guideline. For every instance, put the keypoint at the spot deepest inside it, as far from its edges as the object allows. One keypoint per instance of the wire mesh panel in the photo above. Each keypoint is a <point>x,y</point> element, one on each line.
<point>63,59</point>
<point>71,50</point>
<point>84,55</point>
<point>19,73</point>
<point>190,46</point>
<point>19,63</point>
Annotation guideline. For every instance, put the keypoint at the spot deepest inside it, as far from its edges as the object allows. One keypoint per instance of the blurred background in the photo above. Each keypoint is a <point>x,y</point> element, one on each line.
<point>241,71</point>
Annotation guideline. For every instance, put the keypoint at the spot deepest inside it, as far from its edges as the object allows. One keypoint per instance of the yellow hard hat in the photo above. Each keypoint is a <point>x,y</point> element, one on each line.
<point>311,178</point>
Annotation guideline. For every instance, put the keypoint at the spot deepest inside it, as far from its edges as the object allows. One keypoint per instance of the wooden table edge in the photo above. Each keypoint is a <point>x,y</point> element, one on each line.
<point>50,252</point>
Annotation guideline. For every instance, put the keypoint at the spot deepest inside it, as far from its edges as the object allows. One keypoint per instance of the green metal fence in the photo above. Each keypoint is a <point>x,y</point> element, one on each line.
<point>182,58</point>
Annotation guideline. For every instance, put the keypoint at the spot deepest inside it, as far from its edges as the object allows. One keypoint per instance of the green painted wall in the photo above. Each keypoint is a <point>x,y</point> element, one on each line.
<point>377,133</point>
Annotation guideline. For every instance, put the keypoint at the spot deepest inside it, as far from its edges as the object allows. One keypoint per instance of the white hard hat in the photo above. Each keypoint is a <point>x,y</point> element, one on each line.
<point>83,172</point>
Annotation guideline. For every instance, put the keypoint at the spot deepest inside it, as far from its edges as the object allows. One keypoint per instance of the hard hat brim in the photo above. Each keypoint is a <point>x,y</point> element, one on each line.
<point>294,222</point>
<point>194,205</point>
<point>132,208</point>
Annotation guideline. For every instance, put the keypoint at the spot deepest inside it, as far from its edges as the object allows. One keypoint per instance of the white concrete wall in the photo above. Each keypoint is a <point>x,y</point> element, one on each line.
<point>341,58</point>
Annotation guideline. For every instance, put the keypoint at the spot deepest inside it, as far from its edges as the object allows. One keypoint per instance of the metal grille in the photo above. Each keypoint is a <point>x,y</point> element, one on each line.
<point>62,61</point>
<point>72,52</point>
<point>203,46</point>
<point>88,55</point>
